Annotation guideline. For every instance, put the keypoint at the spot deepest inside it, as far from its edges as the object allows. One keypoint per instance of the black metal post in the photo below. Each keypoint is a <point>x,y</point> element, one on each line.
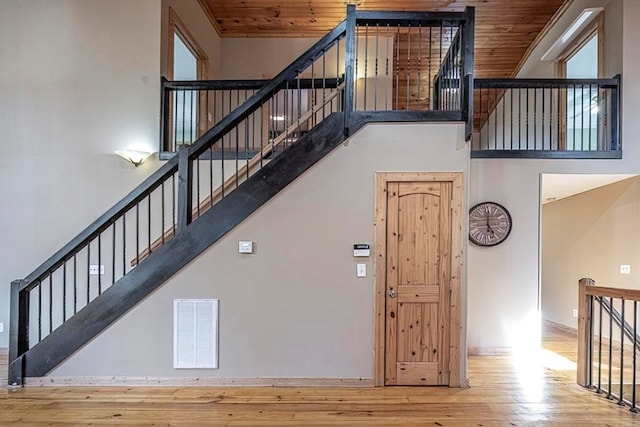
<point>164,115</point>
<point>467,54</point>
<point>349,60</point>
<point>436,92</point>
<point>615,115</point>
<point>185,187</point>
<point>18,331</point>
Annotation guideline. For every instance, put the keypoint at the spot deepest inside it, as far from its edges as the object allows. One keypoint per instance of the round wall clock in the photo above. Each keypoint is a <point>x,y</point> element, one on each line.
<point>489,224</point>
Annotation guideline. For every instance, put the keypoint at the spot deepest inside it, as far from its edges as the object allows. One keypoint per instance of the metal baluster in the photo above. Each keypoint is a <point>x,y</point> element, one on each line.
<point>430,89</point>
<point>408,73</point>
<point>124,244</point>
<point>621,397</point>
<point>573,121</point>
<point>535,124</point>
<point>39,311</point>
<point>397,65</point>
<point>511,116</point>
<point>589,111</point>
<point>519,119</point>
<point>366,63</point>
<point>137,233</point>
<point>601,301</point>
<point>149,224</point>
<point>50,303</point>
<point>527,120</point>
<point>88,272</point>
<point>542,119</point>
<point>634,384</point>
<point>609,395</point>
<point>113,251</point>
<point>386,67</point>
<point>75,283</point>
<point>99,264</point>
<point>590,348</point>
<point>64,291</point>
<point>419,63</point>
<point>375,85</point>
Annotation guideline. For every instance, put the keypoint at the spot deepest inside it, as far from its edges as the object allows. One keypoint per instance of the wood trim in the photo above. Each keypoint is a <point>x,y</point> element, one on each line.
<point>602,291</point>
<point>176,25</point>
<point>195,381</point>
<point>212,19</point>
<point>595,28</point>
<point>457,251</point>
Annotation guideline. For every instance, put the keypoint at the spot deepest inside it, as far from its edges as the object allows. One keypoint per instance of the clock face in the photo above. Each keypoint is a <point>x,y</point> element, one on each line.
<point>489,224</point>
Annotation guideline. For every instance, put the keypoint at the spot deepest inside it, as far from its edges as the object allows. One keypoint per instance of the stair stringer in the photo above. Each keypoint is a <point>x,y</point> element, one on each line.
<point>188,243</point>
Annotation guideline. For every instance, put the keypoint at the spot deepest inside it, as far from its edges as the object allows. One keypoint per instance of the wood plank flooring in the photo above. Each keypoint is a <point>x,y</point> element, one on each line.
<point>530,389</point>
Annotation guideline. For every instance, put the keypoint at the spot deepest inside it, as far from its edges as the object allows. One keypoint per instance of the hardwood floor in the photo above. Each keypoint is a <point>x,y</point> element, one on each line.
<point>529,389</point>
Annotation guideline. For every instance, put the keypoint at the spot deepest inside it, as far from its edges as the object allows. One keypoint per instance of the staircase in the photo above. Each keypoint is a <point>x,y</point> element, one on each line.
<point>192,201</point>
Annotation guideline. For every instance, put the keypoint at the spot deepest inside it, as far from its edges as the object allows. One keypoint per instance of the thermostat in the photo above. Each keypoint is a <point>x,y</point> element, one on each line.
<point>361,249</point>
<point>245,247</point>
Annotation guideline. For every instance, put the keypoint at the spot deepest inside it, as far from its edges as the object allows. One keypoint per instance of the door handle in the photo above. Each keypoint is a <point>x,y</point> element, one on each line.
<point>393,293</point>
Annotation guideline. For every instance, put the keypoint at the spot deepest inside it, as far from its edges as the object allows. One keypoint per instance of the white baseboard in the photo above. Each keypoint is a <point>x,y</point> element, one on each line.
<point>489,351</point>
<point>195,381</point>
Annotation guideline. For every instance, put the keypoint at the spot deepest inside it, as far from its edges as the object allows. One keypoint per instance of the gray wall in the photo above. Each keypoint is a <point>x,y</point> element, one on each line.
<point>590,234</point>
<point>294,308</point>
<point>79,79</point>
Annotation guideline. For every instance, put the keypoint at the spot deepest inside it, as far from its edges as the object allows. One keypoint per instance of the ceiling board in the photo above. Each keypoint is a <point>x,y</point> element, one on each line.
<point>504,28</point>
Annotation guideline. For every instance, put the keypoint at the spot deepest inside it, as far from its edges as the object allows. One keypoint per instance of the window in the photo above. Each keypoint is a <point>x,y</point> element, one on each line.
<point>582,59</point>
<point>186,61</point>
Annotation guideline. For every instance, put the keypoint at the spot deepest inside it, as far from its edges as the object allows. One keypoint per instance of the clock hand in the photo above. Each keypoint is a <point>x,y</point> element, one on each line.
<point>489,229</point>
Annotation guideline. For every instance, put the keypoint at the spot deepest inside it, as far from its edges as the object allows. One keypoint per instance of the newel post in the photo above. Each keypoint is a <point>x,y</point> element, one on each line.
<point>185,187</point>
<point>18,331</point>
<point>349,62</point>
<point>584,332</point>
<point>468,65</point>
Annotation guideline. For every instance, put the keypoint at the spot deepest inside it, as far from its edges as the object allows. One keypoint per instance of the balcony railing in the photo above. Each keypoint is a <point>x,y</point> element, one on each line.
<point>549,118</point>
<point>609,342</point>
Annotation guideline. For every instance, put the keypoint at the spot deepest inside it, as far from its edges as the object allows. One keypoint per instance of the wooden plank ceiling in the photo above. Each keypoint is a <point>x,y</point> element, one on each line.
<point>504,28</point>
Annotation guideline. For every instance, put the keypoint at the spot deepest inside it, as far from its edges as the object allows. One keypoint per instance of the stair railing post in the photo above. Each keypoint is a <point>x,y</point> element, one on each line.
<point>615,115</point>
<point>349,61</point>
<point>18,331</point>
<point>585,332</point>
<point>164,116</point>
<point>185,187</point>
<point>467,55</point>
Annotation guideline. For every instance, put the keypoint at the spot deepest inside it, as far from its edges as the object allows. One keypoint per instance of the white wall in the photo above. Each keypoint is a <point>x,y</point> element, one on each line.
<point>295,307</point>
<point>79,79</point>
<point>504,280</point>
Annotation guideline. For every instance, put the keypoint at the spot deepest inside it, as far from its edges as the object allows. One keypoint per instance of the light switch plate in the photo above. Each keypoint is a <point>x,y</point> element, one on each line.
<point>361,270</point>
<point>95,268</point>
<point>245,247</point>
<point>1,327</point>
<point>625,269</point>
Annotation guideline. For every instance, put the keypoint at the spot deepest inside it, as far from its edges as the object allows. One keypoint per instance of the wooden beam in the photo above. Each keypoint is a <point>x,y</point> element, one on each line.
<point>584,331</point>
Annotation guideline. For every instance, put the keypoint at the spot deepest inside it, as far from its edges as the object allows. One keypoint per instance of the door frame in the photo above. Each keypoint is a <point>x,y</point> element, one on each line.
<point>380,266</point>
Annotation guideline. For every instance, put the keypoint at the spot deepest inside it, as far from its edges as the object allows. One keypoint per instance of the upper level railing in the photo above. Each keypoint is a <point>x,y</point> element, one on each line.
<point>608,342</point>
<point>233,143</point>
<point>550,118</point>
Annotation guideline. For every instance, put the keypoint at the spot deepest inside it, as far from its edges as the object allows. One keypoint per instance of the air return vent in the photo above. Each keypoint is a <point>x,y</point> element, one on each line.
<point>195,333</point>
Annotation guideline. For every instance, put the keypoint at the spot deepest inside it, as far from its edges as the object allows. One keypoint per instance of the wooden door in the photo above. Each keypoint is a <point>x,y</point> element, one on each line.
<point>418,276</point>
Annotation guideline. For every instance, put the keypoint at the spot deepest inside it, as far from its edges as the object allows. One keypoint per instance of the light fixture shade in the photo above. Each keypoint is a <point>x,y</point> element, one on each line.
<point>135,157</point>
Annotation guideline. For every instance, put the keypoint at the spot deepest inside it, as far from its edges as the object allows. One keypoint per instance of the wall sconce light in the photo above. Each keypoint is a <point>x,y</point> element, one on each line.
<point>135,157</point>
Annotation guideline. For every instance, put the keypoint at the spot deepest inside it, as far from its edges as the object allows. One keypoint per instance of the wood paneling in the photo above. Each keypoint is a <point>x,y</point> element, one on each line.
<point>499,396</point>
<point>504,28</point>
